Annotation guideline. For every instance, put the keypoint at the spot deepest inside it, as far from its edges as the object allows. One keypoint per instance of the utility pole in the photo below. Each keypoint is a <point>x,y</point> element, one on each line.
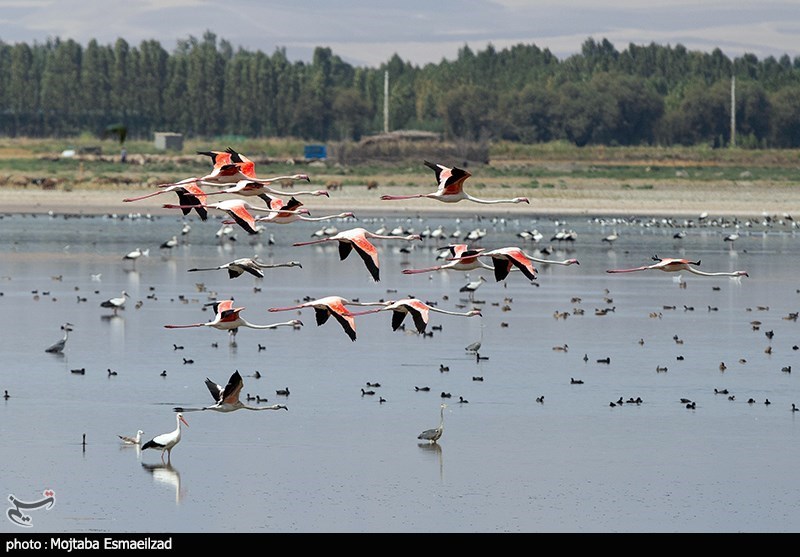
<point>733,111</point>
<point>386,102</point>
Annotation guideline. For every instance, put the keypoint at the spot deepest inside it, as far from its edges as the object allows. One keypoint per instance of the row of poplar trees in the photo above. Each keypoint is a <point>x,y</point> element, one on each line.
<point>643,95</point>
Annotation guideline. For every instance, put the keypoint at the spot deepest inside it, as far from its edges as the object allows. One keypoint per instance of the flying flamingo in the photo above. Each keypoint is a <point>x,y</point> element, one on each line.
<point>451,188</point>
<point>250,265</point>
<point>250,187</point>
<point>508,258</point>
<point>419,312</point>
<point>190,196</point>
<point>288,212</point>
<point>358,238</point>
<point>505,259</point>
<point>464,259</point>
<point>227,399</point>
<point>332,306</point>
<point>227,318</point>
<point>229,167</point>
<point>167,441</point>
<point>218,158</point>
<point>286,217</point>
<point>671,265</point>
<point>238,209</point>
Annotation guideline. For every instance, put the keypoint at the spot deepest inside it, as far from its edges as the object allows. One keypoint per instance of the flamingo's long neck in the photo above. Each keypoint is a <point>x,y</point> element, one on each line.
<point>488,201</point>
<point>427,270</point>
<point>143,196</point>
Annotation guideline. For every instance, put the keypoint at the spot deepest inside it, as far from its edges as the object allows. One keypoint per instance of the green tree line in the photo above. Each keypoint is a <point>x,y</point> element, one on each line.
<point>643,95</point>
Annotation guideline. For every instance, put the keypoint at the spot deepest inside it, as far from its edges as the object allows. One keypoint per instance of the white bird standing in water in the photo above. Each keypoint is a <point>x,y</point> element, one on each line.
<point>171,243</point>
<point>115,303</point>
<point>472,286</point>
<point>127,440</point>
<point>167,441</point>
<point>135,254</point>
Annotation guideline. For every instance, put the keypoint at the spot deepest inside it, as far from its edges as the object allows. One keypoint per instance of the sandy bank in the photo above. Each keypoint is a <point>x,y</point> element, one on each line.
<point>741,199</point>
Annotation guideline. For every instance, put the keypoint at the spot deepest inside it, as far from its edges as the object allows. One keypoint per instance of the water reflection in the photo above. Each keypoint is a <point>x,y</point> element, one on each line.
<point>435,450</point>
<point>166,474</point>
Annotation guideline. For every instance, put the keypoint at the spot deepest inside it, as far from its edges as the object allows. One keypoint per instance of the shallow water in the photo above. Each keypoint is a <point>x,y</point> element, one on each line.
<point>340,461</point>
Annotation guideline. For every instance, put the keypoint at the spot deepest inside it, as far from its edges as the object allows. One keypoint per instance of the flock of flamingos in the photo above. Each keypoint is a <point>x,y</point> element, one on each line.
<point>234,174</point>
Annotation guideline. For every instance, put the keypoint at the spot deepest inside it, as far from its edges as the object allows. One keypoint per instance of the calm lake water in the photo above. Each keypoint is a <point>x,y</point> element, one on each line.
<point>341,461</point>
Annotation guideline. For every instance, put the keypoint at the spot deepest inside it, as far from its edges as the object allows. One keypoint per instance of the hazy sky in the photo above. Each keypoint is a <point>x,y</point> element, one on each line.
<point>368,33</point>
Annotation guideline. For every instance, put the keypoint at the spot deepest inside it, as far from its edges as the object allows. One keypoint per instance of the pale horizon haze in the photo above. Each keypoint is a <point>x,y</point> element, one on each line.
<point>368,34</point>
